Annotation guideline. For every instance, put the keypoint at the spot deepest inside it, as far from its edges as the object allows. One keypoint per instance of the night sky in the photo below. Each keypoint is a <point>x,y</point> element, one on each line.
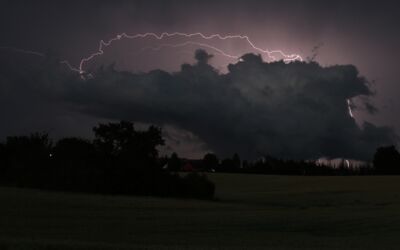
<point>253,106</point>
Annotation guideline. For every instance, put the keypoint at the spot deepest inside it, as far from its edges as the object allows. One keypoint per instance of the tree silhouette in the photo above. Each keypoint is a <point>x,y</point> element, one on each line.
<point>3,163</point>
<point>114,138</point>
<point>210,161</point>
<point>227,165</point>
<point>236,161</point>
<point>387,160</point>
<point>29,157</point>
<point>121,142</point>
<point>120,160</point>
<point>73,149</point>
<point>174,163</point>
<point>27,148</point>
<point>75,166</point>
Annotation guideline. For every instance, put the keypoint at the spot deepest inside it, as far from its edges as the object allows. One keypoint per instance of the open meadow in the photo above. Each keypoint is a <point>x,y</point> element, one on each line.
<point>250,212</point>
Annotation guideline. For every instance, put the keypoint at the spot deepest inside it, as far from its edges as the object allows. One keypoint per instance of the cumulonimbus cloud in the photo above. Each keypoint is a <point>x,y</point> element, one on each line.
<point>297,110</point>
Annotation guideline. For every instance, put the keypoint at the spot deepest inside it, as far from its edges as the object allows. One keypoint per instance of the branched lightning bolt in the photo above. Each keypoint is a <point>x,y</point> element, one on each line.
<point>39,54</point>
<point>103,44</point>
<point>72,68</point>
<point>24,51</point>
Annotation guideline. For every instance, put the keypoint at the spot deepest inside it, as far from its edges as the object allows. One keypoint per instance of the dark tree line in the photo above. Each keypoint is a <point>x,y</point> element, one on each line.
<point>386,161</point>
<point>120,160</point>
<point>123,160</point>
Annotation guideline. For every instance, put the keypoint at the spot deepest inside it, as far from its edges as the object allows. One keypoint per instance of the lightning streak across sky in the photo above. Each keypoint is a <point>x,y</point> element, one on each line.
<point>103,44</point>
<point>30,52</point>
<point>39,54</point>
<point>270,53</point>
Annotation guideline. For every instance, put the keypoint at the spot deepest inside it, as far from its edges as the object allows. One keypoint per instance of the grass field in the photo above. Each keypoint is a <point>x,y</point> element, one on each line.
<point>252,212</point>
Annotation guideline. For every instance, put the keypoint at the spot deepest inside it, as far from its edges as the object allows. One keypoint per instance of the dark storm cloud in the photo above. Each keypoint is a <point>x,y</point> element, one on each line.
<point>30,92</point>
<point>295,110</point>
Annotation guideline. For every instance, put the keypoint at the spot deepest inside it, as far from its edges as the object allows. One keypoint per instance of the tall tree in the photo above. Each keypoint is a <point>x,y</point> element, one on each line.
<point>210,161</point>
<point>120,141</point>
<point>174,163</point>
<point>387,160</point>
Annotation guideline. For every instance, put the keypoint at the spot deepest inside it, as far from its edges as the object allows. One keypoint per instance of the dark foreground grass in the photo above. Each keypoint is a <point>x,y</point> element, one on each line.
<point>253,212</point>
